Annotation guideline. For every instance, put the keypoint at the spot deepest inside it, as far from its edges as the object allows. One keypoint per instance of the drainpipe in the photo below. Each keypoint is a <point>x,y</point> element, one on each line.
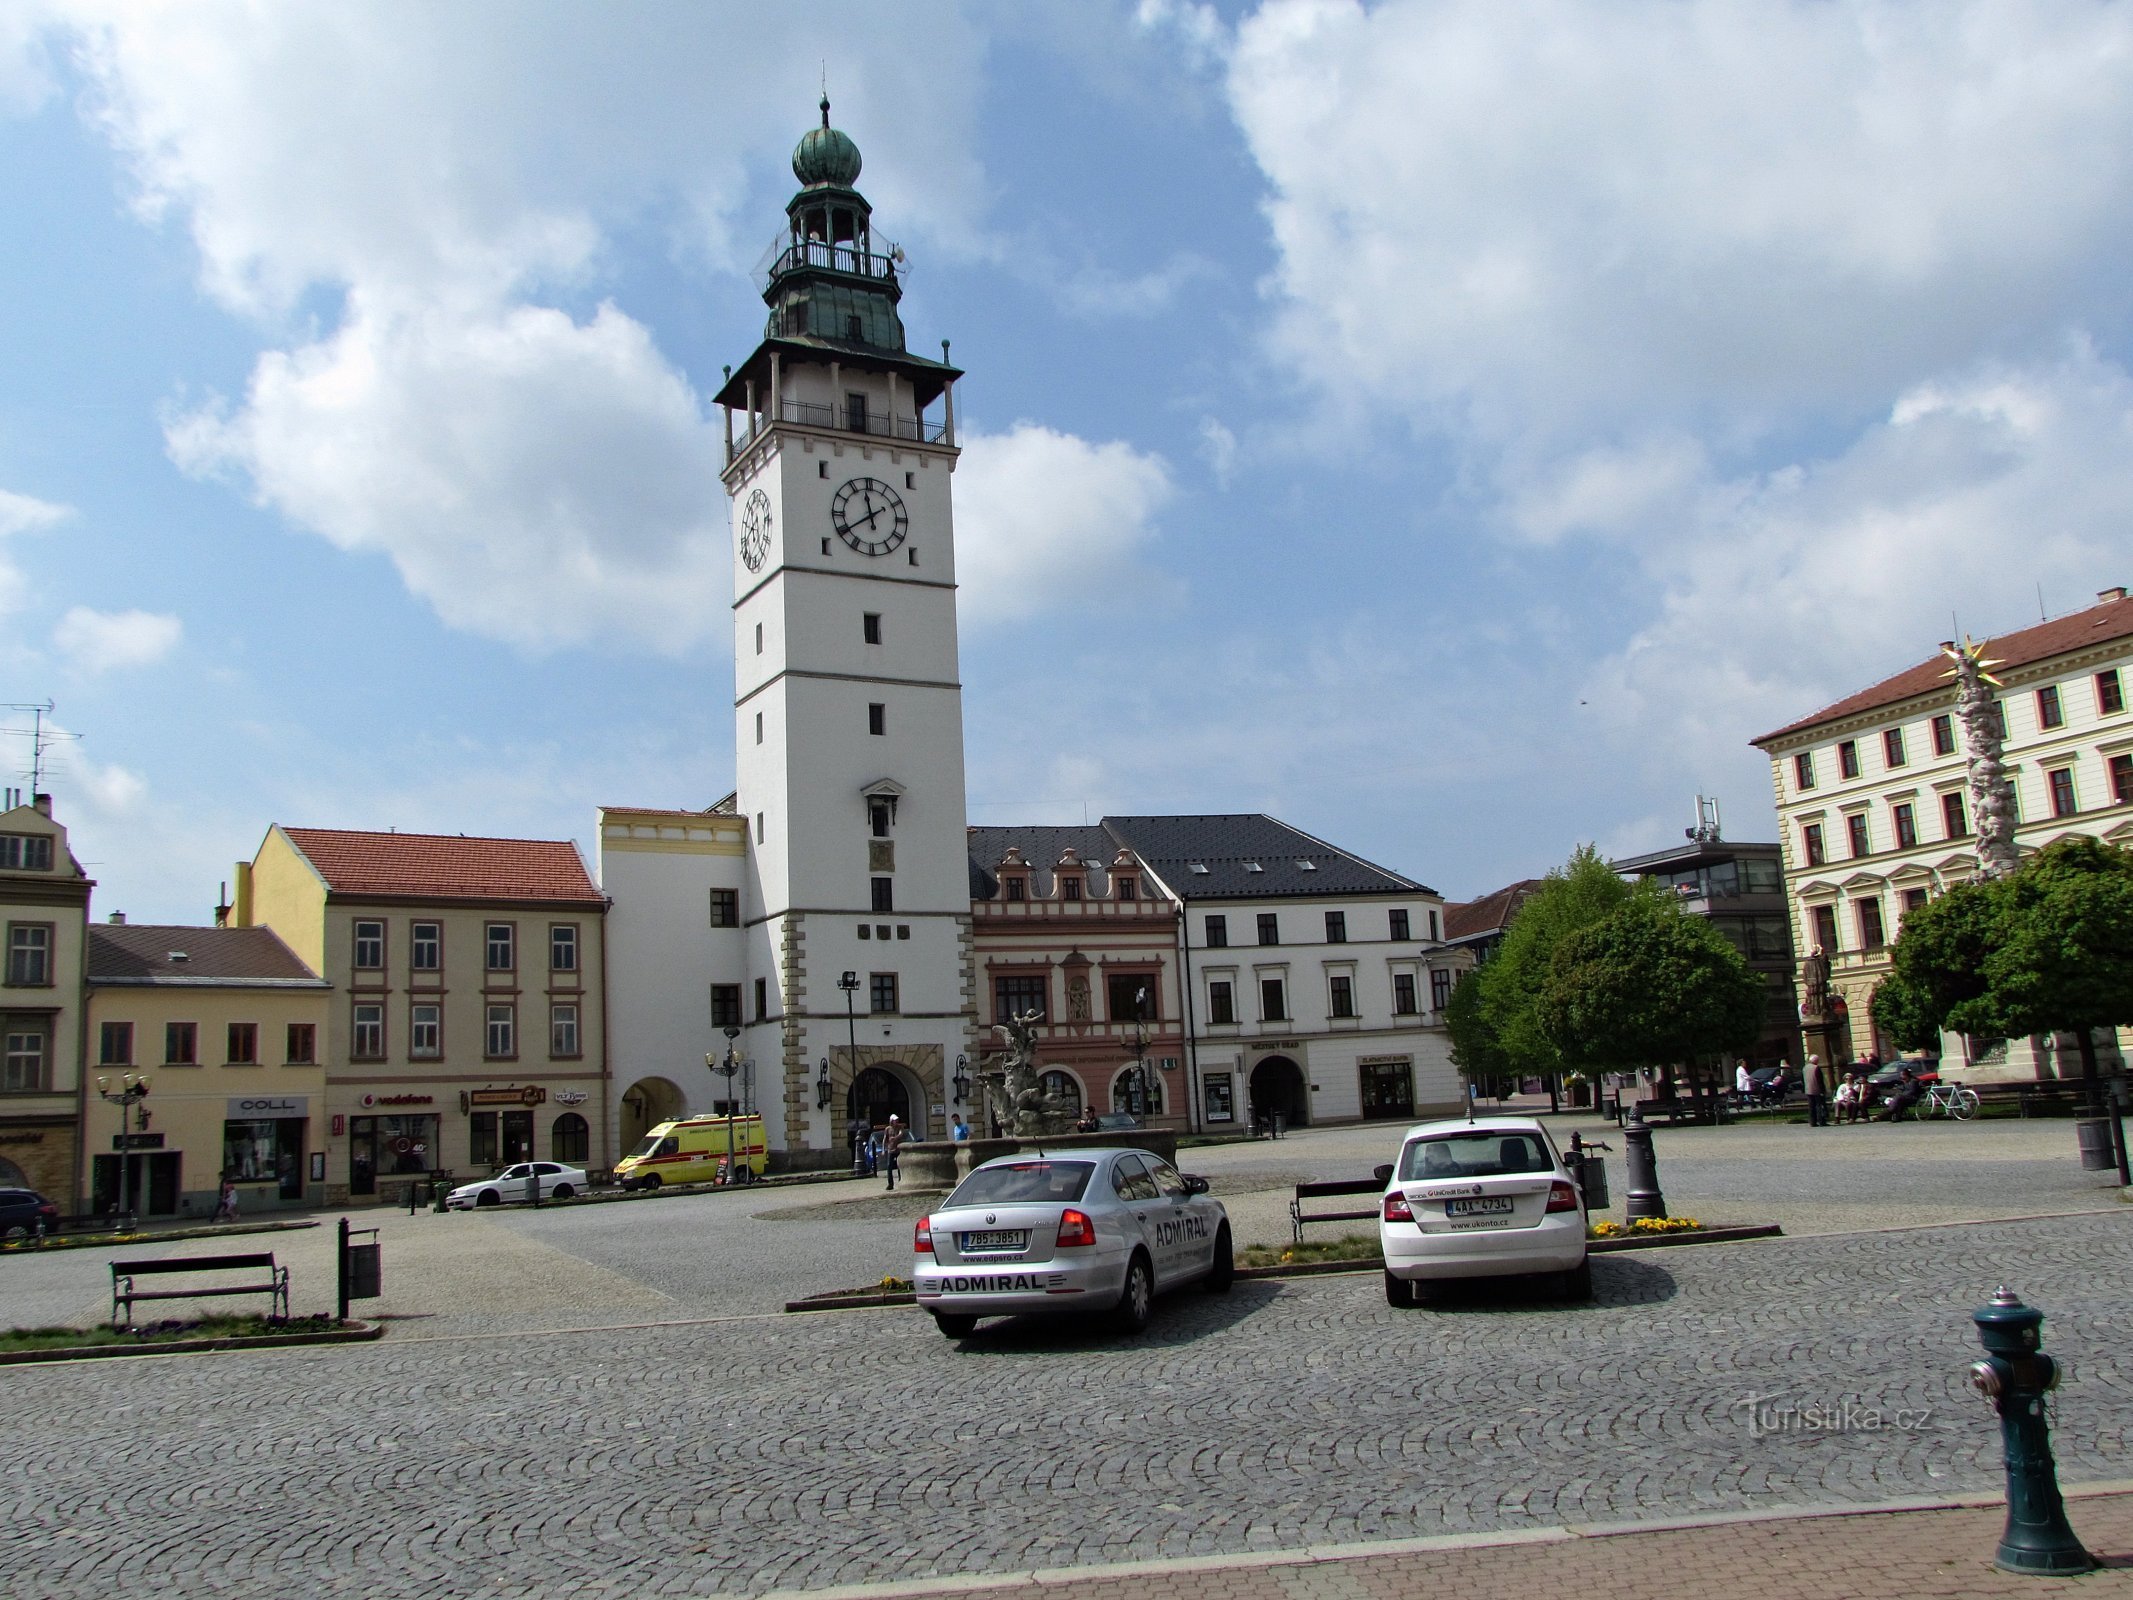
<point>1192,1035</point>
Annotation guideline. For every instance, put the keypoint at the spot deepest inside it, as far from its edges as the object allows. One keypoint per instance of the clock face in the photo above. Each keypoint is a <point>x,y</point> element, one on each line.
<point>755,530</point>
<point>870,517</point>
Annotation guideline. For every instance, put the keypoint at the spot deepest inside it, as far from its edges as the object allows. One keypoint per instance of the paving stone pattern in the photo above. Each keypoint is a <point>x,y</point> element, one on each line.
<point>764,1453</point>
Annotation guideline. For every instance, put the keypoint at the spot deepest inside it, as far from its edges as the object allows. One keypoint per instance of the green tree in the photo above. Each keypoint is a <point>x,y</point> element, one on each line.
<point>1580,893</point>
<point>1649,986</point>
<point>1476,1052</point>
<point>2048,948</point>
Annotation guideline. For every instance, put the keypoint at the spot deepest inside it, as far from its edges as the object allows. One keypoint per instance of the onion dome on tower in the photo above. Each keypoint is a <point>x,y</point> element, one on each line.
<point>824,155</point>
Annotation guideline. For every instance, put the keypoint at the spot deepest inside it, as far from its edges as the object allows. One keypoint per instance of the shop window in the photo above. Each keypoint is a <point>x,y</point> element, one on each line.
<point>569,1139</point>
<point>483,1147</point>
<point>266,1152</point>
<point>1063,1087</point>
<point>397,1145</point>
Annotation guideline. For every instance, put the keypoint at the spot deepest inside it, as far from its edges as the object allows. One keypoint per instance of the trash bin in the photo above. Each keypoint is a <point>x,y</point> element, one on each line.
<point>365,1275</point>
<point>2094,1136</point>
<point>1592,1179</point>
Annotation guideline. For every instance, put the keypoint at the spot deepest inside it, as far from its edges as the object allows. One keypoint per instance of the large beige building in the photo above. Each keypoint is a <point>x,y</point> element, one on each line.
<point>470,1027</point>
<point>44,912</point>
<point>227,1027</point>
<point>1875,817</point>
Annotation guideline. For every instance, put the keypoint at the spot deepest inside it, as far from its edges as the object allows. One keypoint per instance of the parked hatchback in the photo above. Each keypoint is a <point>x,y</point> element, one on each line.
<point>24,1213</point>
<point>1484,1199</point>
<point>1097,1231</point>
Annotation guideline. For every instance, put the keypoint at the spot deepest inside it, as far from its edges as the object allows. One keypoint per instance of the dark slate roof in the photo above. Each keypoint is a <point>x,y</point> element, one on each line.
<point>2098,624</point>
<point>1041,848</point>
<point>142,953</point>
<point>1225,845</point>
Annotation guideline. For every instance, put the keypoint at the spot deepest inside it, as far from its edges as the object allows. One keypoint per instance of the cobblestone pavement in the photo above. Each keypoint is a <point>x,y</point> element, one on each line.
<point>761,1453</point>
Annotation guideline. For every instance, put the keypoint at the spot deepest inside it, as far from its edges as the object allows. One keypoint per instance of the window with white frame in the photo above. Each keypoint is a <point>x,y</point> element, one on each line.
<point>500,1035</point>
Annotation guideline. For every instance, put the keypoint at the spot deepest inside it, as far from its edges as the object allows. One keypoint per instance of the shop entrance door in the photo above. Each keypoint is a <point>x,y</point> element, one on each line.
<point>518,1135</point>
<point>151,1182</point>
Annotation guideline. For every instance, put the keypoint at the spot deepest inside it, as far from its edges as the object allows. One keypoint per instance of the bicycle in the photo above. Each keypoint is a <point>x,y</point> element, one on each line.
<point>1957,1101</point>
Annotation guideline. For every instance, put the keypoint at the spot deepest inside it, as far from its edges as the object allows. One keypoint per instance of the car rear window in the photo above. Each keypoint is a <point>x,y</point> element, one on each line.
<point>1484,1153</point>
<point>1023,1183</point>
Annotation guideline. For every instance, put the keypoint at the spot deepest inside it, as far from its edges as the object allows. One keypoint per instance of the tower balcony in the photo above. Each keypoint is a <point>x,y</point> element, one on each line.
<point>844,419</point>
<point>788,255</point>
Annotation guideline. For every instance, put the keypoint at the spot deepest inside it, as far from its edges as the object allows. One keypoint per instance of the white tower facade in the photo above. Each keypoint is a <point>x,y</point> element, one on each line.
<point>848,711</point>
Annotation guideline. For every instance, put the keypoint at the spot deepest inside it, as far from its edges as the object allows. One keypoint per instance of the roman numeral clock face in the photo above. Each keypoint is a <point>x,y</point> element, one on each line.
<point>870,517</point>
<point>755,530</point>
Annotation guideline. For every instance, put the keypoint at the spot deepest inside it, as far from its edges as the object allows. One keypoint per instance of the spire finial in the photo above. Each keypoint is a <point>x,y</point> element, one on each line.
<point>825,94</point>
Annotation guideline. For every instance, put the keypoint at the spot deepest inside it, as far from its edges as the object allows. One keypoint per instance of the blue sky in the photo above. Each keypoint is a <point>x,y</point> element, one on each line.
<point>1454,428</point>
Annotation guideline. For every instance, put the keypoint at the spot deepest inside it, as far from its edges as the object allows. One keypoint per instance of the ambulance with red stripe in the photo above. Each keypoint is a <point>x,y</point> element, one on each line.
<point>696,1150</point>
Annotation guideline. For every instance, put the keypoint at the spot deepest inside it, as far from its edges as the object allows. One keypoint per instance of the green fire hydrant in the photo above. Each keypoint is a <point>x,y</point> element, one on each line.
<point>2016,1376</point>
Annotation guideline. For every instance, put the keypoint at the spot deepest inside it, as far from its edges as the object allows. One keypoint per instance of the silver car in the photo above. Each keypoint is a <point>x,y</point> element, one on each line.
<point>1086,1231</point>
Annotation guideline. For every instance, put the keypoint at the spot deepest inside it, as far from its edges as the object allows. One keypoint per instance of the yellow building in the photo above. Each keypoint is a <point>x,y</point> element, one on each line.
<point>469,1028</point>
<point>226,1025</point>
<point>44,910</point>
<point>1875,813</point>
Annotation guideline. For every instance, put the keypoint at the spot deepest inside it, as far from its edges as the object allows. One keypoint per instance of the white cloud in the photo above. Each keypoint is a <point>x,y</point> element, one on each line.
<point>532,478</point>
<point>1046,521</point>
<point>435,178</point>
<point>1562,217</point>
<point>99,641</point>
<point>1785,591</point>
<point>1218,446</point>
<point>19,513</point>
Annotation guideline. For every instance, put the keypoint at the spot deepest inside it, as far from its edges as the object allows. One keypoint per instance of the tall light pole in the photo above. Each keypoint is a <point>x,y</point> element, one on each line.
<point>132,1090</point>
<point>849,983</point>
<point>1142,1081</point>
<point>728,1067</point>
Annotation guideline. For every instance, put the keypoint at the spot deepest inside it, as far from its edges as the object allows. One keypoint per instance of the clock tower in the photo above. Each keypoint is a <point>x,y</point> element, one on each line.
<point>848,707</point>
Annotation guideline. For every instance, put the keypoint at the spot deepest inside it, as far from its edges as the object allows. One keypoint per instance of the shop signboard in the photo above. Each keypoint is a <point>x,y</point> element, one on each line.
<point>261,1107</point>
<point>531,1095</point>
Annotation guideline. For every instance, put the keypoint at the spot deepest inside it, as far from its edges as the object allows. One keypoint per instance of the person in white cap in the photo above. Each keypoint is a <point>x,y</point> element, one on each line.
<point>890,1143</point>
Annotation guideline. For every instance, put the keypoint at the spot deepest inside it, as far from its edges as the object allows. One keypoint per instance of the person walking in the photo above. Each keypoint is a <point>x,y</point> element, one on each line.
<point>891,1142</point>
<point>1814,1077</point>
<point>226,1201</point>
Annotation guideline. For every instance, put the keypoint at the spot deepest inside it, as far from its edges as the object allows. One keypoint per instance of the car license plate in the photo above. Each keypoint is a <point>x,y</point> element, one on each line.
<point>1488,1206</point>
<point>995,1239</point>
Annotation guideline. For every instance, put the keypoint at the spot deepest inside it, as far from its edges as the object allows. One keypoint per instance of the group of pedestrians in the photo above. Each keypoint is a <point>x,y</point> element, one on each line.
<point>1853,1096</point>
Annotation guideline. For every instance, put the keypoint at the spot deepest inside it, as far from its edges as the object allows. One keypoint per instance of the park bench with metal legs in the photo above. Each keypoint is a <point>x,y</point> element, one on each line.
<point>125,1291</point>
<point>1335,1190</point>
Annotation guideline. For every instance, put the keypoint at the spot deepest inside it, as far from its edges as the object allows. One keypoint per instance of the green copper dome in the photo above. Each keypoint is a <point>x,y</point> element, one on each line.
<point>824,155</point>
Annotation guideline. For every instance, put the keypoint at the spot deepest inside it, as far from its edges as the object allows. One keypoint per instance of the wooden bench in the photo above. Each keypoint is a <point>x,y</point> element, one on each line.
<point>1676,1110</point>
<point>124,1291</point>
<point>2042,1097</point>
<point>1373,1185</point>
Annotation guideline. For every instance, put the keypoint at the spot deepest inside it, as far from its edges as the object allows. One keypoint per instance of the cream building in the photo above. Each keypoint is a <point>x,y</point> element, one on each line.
<point>226,1025</point>
<point>44,914</point>
<point>471,1021</point>
<point>1875,818</point>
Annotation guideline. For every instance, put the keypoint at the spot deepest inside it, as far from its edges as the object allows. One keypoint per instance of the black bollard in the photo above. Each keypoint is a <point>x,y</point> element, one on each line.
<point>1643,1198</point>
<point>2015,1376</point>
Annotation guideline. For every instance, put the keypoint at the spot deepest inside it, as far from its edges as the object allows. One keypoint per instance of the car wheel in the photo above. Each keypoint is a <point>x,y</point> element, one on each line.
<point>1577,1282</point>
<point>563,1191</point>
<point>1399,1291</point>
<point>652,1182</point>
<point>955,1324</point>
<point>15,1232</point>
<point>1136,1303</point>
<point>488,1197</point>
<point>1224,1271</point>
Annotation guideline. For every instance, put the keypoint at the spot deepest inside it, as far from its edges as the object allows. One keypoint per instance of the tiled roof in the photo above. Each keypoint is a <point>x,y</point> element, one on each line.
<point>1041,848</point>
<point>1492,913</point>
<point>663,811</point>
<point>2113,619</point>
<point>1230,846</point>
<point>429,866</point>
<point>140,952</point>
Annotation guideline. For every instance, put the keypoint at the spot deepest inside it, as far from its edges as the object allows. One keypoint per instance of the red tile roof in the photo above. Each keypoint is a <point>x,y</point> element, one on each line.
<point>2113,619</point>
<point>1492,913</point>
<point>430,866</point>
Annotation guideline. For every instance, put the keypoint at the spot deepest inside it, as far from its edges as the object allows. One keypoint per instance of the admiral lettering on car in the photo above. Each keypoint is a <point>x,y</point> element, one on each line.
<point>1185,1227</point>
<point>994,1283</point>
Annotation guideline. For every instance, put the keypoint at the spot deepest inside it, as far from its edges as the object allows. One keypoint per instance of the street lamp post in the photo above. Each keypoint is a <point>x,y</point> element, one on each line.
<point>1143,1080</point>
<point>728,1067</point>
<point>849,983</point>
<point>132,1090</point>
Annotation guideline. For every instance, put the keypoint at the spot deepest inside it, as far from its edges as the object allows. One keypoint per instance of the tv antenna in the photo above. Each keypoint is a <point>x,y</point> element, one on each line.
<point>41,738</point>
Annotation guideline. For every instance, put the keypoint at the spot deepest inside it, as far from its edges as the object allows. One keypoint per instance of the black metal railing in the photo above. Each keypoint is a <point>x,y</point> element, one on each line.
<point>842,419</point>
<point>831,257</point>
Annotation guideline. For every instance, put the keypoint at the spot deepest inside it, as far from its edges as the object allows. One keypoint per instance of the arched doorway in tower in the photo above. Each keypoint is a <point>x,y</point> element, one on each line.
<point>876,1094</point>
<point>645,1104</point>
<point>1278,1089</point>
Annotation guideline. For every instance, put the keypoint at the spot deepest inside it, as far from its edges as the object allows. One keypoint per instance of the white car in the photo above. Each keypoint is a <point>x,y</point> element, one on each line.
<point>1483,1199</point>
<point>509,1186</point>
<point>1083,1231</point>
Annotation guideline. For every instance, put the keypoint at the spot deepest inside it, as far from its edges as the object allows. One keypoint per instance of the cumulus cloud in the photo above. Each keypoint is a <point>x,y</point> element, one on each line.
<point>19,513</point>
<point>99,641</point>
<point>1567,217</point>
<point>424,197</point>
<point>1046,520</point>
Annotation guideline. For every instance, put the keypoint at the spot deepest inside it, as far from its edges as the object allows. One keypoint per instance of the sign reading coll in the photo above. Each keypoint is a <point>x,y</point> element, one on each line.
<point>260,1107</point>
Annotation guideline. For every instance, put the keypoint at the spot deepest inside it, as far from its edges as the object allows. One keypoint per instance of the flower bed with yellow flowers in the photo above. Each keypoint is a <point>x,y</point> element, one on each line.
<point>1643,1226</point>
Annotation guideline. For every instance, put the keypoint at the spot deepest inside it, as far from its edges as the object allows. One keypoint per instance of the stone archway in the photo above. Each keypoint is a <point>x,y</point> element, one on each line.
<point>645,1104</point>
<point>879,1092</point>
<point>12,1176</point>
<point>1278,1088</point>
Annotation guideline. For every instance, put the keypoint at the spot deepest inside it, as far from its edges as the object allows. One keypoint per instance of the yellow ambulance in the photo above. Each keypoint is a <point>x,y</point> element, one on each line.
<point>696,1150</point>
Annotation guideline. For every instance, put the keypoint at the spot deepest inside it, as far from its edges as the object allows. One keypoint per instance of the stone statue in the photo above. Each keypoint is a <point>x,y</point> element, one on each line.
<point>1814,986</point>
<point>1992,804</point>
<point>1077,999</point>
<point>1031,1112</point>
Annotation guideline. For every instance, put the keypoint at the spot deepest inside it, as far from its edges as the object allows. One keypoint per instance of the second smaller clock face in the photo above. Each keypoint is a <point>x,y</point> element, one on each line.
<point>869,516</point>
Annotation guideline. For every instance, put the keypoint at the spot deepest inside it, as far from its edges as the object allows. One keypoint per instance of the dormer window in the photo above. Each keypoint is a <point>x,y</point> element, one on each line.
<point>1017,888</point>
<point>1129,888</point>
<point>1253,866</point>
<point>1069,888</point>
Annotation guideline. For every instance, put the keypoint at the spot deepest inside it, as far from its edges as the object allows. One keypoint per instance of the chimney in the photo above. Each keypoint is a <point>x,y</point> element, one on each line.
<point>118,919</point>
<point>222,906</point>
<point>2106,596</point>
<point>43,803</point>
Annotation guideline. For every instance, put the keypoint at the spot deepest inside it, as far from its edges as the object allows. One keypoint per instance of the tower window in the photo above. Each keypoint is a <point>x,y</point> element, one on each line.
<point>759,727</point>
<point>855,405</point>
<point>877,718</point>
<point>759,827</point>
<point>851,327</point>
<point>878,818</point>
<point>884,896</point>
<point>870,626</point>
<point>822,469</point>
<point>910,480</point>
<point>881,991</point>
<point>758,638</point>
<point>762,999</point>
